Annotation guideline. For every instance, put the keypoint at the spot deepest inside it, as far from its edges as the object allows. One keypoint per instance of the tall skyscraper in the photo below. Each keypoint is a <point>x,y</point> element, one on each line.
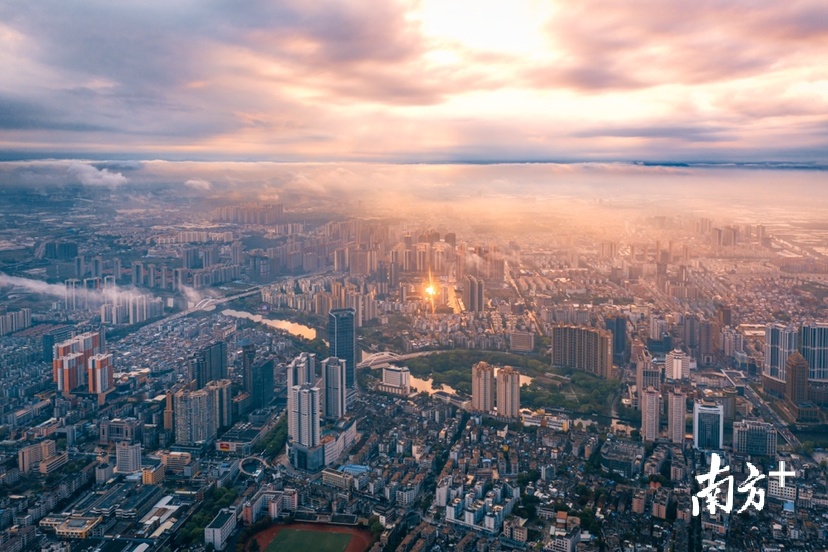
<point>508,392</point>
<point>813,343</point>
<point>263,383</point>
<point>754,437</point>
<point>650,414</point>
<point>676,416</point>
<point>618,327</point>
<point>780,343</point>
<point>483,387</point>
<point>303,419</point>
<point>248,358</point>
<point>342,336</point>
<point>301,371</point>
<point>582,348</point>
<point>128,457</point>
<point>708,425</point>
<point>333,383</point>
<point>210,364</point>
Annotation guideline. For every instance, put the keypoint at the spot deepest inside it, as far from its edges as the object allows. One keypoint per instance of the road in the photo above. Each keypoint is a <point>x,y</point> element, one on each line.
<point>530,305</point>
<point>385,358</point>
<point>769,415</point>
<point>204,304</point>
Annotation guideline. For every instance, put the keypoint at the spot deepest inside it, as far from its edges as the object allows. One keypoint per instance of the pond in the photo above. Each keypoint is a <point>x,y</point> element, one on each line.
<point>421,384</point>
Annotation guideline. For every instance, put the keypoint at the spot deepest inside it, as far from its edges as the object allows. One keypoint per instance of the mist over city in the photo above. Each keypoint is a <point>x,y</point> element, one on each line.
<point>413,276</point>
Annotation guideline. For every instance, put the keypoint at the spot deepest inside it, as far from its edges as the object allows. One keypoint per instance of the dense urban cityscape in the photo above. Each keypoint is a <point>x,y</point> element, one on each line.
<point>187,374</point>
<point>413,276</point>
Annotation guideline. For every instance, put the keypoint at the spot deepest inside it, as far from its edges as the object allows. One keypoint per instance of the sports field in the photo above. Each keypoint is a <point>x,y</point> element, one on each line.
<point>302,540</point>
<point>306,537</point>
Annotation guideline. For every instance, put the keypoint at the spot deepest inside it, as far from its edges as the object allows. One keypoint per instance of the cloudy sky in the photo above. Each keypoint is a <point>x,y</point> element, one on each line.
<point>415,81</point>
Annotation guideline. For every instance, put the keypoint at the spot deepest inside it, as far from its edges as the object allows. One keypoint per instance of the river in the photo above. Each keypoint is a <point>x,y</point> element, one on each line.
<point>293,328</point>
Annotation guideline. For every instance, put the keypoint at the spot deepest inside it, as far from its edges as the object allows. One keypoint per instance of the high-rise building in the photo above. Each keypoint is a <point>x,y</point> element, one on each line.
<point>166,277</point>
<point>754,437</point>
<point>650,410</point>
<point>708,425</point>
<point>137,274</point>
<point>724,314</point>
<point>342,336</point>
<point>796,378</point>
<point>813,344</point>
<point>618,327</point>
<point>582,348</point>
<point>780,343</point>
<point>100,373</point>
<point>709,334</point>
<point>647,374</point>
<point>333,383</point>
<point>248,357</point>
<point>195,416</point>
<point>15,321</point>
<point>221,393</point>
<point>180,276</point>
<point>210,363</point>
<point>70,359</point>
<point>263,383</point>
<point>731,342</point>
<point>691,332</point>
<point>658,327</point>
<point>677,365</point>
<point>303,419</point>
<point>508,392</point>
<point>676,416</point>
<point>127,457</point>
<point>483,387</point>
<point>237,253</point>
<point>96,267</point>
<point>302,370</point>
<point>474,294</point>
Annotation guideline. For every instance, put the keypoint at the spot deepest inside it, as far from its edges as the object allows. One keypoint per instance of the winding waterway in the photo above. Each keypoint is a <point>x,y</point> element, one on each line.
<point>293,328</point>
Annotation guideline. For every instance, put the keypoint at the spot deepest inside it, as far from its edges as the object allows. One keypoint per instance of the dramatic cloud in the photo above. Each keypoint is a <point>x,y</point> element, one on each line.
<point>415,80</point>
<point>90,176</point>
